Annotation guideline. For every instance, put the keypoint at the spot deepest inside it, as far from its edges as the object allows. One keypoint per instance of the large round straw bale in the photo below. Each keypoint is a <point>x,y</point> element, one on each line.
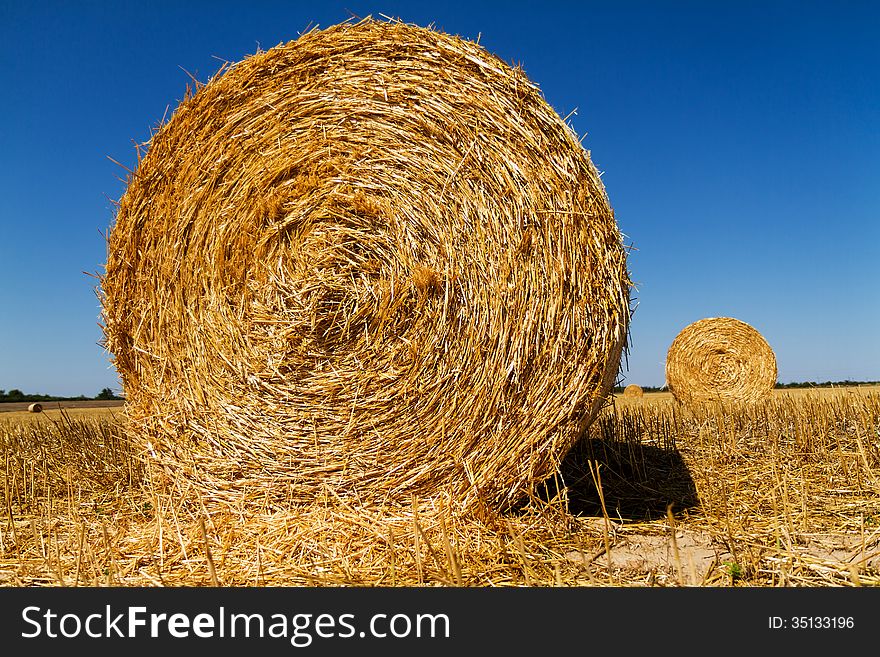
<point>36,407</point>
<point>720,359</point>
<point>374,260</point>
<point>632,390</point>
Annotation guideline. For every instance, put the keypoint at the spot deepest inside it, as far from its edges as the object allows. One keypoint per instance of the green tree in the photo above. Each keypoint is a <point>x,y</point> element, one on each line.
<point>106,393</point>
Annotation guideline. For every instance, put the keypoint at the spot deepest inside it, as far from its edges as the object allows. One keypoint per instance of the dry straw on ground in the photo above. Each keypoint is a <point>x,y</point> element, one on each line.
<point>720,359</point>
<point>780,493</point>
<point>36,407</point>
<point>371,261</point>
<point>632,390</point>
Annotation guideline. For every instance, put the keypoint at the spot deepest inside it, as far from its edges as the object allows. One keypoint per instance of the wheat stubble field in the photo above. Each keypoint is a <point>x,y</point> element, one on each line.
<point>782,493</point>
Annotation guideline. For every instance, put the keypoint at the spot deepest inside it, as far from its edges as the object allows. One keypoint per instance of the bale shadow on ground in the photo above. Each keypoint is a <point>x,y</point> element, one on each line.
<point>639,481</point>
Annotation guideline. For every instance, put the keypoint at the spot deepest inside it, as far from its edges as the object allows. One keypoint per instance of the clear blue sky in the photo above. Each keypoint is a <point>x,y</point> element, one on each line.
<point>740,145</point>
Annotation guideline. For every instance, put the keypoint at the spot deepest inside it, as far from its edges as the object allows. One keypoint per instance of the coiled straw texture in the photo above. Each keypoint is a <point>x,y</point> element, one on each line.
<point>373,261</point>
<point>632,390</point>
<point>720,359</point>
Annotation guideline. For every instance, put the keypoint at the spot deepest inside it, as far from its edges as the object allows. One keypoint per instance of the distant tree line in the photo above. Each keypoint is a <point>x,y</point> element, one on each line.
<point>794,384</point>
<point>16,395</point>
<point>826,384</point>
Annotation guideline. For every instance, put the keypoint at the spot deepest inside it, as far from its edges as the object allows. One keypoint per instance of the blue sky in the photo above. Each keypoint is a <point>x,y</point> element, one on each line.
<point>739,143</point>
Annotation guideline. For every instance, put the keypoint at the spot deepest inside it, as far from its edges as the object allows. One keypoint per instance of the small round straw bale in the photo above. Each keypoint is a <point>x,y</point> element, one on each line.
<point>720,359</point>
<point>372,260</point>
<point>632,390</point>
<point>36,407</point>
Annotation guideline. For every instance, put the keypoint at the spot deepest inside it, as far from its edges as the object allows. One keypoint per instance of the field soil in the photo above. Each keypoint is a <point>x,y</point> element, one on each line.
<point>17,407</point>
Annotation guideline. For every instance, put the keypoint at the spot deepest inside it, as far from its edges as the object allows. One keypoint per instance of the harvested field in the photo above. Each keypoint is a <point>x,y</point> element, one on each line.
<point>54,411</point>
<point>17,407</point>
<point>664,397</point>
<point>783,493</point>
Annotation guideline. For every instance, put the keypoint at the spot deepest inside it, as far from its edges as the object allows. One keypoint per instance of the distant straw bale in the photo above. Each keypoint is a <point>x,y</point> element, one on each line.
<point>720,359</point>
<point>36,407</point>
<point>632,390</point>
<point>372,260</point>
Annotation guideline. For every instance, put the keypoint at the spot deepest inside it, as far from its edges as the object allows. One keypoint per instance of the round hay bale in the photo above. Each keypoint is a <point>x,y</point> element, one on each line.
<point>632,390</point>
<point>720,359</point>
<point>372,259</point>
<point>36,407</point>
